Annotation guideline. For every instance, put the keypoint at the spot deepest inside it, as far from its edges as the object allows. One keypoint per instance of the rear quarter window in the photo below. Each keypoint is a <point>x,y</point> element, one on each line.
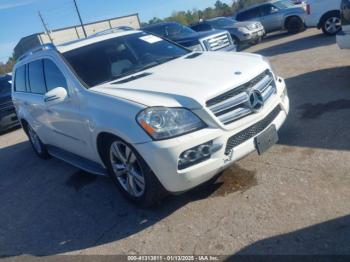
<point>20,79</point>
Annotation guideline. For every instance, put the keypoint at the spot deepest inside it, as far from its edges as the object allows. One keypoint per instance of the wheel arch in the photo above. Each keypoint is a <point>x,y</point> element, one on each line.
<point>24,124</point>
<point>287,19</point>
<point>325,15</point>
<point>101,141</point>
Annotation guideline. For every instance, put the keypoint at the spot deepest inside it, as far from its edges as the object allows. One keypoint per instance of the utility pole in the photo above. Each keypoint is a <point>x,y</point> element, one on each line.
<point>45,26</point>
<point>81,21</point>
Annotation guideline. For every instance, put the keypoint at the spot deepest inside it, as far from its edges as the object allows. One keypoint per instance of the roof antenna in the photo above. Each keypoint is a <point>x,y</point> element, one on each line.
<point>45,26</point>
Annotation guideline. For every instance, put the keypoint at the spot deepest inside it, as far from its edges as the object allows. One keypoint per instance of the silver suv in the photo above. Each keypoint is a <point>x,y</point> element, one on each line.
<point>275,16</point>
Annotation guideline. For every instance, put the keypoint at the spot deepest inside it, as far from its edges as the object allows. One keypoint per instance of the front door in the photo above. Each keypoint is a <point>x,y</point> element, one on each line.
<point>69,129</point>
<point>270,17</point>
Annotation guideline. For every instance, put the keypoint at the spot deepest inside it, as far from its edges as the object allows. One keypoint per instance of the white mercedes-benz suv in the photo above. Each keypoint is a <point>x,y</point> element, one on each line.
<point>153,115</point>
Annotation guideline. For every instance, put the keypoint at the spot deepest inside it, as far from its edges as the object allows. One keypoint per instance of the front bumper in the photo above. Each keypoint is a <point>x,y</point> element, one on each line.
<point>8,119</point>
<point>163,156</point>
<point>343,40</point>
<point>253,36</point>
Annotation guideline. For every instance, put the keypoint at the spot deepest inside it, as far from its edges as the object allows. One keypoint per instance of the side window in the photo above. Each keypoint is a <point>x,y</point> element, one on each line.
<point>20,79</point>
<point>53,76</point>
<point>249,14</point>
<point>268,10</point>
<point>36,77</point>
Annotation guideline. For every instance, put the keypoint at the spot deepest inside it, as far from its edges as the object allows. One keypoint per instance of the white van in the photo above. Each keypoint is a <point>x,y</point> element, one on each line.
<point>324,14</point>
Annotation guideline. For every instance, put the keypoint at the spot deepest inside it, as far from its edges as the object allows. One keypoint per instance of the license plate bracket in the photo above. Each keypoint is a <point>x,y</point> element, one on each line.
<point>266,140</point>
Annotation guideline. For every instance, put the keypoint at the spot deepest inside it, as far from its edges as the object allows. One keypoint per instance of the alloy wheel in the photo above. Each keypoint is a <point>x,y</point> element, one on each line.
<point>333,25</point>
<point>127,169</point>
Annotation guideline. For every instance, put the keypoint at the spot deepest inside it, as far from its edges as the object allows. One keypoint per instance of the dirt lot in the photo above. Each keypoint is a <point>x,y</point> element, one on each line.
<point>292,200</point>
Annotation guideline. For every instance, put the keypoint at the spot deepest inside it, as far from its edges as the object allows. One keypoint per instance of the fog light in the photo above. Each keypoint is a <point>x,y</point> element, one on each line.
<point>196,155</point>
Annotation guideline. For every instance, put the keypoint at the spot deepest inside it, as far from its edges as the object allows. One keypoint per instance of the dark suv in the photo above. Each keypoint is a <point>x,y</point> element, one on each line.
<point>8,118</point>
<point>216,40</point>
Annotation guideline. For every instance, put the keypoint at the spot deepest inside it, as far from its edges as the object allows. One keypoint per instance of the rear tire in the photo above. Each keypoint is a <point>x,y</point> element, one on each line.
<point>38,146</point>
<point>294,25</point>
<point>331,24</point>
<point>131,174</point>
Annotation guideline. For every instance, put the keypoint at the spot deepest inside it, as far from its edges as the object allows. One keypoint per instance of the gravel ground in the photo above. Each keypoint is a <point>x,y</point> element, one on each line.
<point>292,200</point>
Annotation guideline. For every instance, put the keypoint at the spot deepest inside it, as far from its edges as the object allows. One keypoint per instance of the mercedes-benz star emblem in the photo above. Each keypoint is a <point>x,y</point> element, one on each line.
<point>256,100</point>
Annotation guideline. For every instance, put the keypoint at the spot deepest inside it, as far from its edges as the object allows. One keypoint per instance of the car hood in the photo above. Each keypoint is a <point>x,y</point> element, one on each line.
<point>187,82</point>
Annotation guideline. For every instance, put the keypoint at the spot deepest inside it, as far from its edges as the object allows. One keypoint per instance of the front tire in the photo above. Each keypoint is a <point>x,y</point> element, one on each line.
<point>38,146</point>
<point>294,25</point>
<point>131,174</point>
<point>331,24</point>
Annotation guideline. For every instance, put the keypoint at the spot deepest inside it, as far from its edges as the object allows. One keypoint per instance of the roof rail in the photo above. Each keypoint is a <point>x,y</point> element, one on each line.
<point>43,47</point>
<point>113,30</point>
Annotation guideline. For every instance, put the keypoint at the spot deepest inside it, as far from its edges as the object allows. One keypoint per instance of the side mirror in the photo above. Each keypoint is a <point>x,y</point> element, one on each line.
<point>55,95</point>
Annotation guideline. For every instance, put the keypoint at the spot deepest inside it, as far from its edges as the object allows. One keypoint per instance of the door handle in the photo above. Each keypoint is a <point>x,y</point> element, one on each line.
<point>51,98</point>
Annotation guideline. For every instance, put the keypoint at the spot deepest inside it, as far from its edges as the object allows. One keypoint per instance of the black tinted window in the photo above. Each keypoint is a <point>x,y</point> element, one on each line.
<point>36,77</point>
<point>249,14</point>
<point>5,86</point>
<point>201,27</point>
<point>268,9</point>
<point>53,76</point>
<point>20,82</point>
<point>121,56</point>
<point>158,30</point>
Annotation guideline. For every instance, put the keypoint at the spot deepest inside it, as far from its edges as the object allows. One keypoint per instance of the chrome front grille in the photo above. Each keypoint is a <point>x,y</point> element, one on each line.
<point>251,131</point>
<point>217,42</point>
<point>236,103</point>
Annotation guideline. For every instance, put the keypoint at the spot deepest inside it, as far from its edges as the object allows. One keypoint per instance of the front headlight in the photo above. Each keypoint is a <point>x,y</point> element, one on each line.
<point>163,123</point>
<point>196,48</point>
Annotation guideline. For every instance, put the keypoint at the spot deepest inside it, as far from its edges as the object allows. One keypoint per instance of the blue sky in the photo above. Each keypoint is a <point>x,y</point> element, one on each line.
<point>19,18</point>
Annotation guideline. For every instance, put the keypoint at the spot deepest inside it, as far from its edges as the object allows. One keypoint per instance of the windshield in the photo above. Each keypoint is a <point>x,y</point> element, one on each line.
<point>283,4</point>
<point>223,22</point>
<point>176,30</point>
<point>121,56</point>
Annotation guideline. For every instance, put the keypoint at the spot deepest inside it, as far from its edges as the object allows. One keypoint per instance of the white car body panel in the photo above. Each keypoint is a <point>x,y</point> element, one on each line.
<point>179,81</point>
<point>318,8</point>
